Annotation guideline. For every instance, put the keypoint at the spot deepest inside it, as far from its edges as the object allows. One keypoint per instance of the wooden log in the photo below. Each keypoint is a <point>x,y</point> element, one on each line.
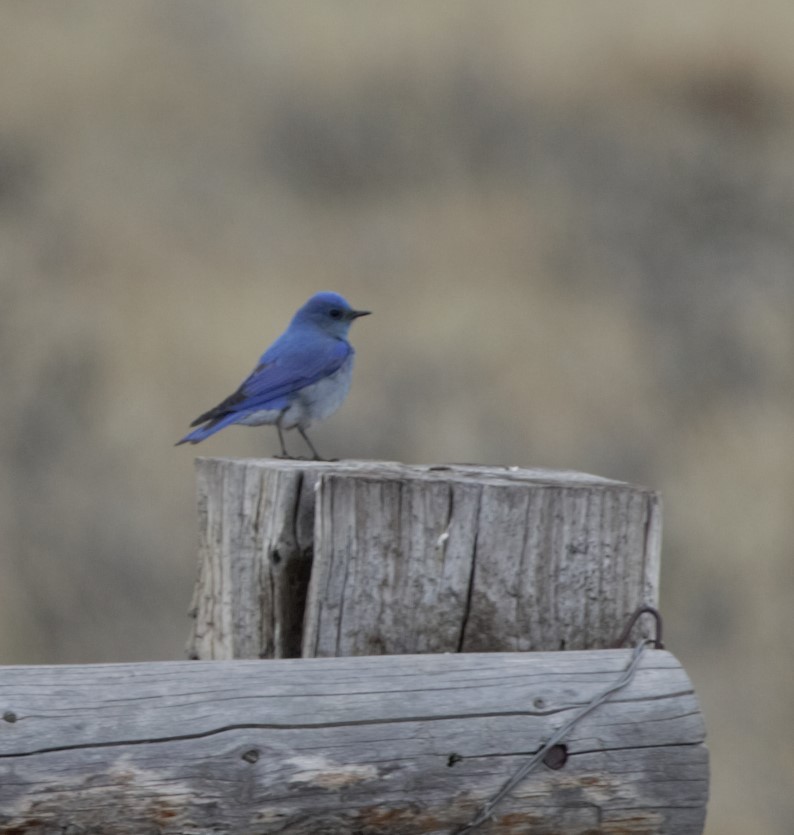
<point>405,559</point>
<point>389,744</point>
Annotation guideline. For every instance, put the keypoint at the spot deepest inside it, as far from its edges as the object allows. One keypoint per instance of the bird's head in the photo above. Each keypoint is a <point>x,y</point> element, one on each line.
<point>329,312</point>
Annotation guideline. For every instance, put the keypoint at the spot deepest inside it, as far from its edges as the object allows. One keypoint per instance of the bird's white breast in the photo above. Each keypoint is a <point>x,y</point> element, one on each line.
<point>321,399</point>
<point>310,404</point>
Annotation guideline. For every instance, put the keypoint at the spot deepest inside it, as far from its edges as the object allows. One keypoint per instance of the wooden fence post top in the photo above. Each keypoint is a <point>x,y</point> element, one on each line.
<point>371,557</point>
<point>433,472</point>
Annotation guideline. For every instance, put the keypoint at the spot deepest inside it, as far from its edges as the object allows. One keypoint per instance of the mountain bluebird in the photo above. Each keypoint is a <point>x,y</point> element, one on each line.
<point>302,378</point>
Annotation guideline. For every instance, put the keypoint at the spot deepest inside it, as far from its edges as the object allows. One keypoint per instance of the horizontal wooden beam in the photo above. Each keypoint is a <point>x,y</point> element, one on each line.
<point>407,743</point>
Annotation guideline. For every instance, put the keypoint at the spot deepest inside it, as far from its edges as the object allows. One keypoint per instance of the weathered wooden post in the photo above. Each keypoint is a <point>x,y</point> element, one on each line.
<point>461,564</point>
<point>363,558</point>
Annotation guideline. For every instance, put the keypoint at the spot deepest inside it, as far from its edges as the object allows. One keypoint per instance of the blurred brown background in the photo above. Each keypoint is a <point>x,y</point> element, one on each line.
<point>574,222</point>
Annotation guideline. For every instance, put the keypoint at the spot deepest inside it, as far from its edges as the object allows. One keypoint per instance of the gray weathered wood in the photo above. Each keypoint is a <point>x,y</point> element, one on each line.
<point>392,744</point>
<point>409,559</point>
<point>255,544</point>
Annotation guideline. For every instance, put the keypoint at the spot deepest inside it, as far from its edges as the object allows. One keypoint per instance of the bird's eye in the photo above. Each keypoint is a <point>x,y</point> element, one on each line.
<point>335,313</point>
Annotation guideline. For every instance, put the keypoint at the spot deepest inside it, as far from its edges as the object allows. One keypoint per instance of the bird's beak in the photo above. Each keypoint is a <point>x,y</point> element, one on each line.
<point>354,314</point>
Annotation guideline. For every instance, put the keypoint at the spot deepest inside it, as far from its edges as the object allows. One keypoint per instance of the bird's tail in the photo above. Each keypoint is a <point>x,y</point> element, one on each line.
<point>203,432</point>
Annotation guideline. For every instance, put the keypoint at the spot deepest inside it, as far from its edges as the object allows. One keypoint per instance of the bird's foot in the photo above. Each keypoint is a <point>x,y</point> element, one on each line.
<point>287,457</point>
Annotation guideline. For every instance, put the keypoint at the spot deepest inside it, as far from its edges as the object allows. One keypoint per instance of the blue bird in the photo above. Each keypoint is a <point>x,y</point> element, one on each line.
<point>302,378</point>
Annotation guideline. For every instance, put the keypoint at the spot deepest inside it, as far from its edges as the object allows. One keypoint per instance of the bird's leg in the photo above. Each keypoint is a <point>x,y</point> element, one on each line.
<point>317,456</point>
<point>284,453</point>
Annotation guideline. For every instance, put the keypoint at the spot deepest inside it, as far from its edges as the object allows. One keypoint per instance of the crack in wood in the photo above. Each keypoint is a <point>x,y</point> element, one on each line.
<point>470,588</point>
<point>294,726</point>
<point>654,747</point>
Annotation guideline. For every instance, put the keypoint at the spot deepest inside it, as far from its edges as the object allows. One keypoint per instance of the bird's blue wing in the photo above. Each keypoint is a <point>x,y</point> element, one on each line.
<point>280,373</point>
<point>277,376</point>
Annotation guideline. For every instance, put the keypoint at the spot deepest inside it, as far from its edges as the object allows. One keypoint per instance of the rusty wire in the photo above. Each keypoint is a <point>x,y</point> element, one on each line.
<point>626,677</point>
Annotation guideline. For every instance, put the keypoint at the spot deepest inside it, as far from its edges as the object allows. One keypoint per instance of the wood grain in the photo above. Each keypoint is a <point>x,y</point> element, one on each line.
<point>256,528</point>
<point>477,559</point>
<point>389,744</point>
<point>358,557</point>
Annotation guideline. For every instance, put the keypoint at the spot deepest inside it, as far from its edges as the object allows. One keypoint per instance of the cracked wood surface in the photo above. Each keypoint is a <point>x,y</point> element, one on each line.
<point>389,744</point>
<point>367,557</point>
